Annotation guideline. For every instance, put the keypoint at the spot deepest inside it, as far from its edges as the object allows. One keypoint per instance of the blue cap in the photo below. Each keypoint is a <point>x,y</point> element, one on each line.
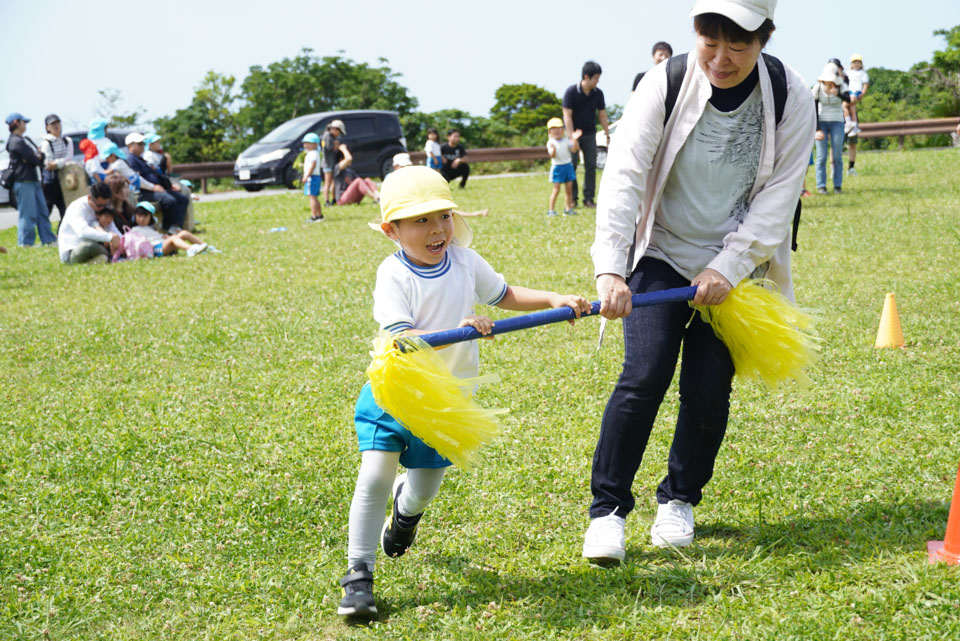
<point>111,148</point>
<point>16,115</point>
<point>186,183</point>
<point>98,128</point>
<point>148,206</point>
<point>151,138</point>
<point>311,137</point>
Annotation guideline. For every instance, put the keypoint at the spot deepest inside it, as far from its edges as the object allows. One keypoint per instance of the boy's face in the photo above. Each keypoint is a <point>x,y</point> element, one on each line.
<point>309,146</point>
<point>156,147</point>
<point>856,64</point>
<point>425,238</point>
<point>555,132</point>
<point>454,138</point>
<point>143,218</point>
<point>660,55</point>
<point>105,219</point>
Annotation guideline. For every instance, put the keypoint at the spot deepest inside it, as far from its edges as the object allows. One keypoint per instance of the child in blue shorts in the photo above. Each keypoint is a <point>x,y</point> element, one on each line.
<point>561,150</point>
<point>312,179</point>
<point>430,284</point>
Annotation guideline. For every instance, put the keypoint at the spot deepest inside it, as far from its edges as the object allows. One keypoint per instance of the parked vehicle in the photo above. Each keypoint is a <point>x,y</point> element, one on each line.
<point>6,197</point>
<point>116,135</point>
<point>373,137</point>
<point>602,145</point>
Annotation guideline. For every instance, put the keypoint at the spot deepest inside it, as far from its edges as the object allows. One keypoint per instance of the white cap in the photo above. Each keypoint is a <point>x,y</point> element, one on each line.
<point>749,14</point>
<point>132,138</point>
<point>402,160</point>
<point>830,73</point>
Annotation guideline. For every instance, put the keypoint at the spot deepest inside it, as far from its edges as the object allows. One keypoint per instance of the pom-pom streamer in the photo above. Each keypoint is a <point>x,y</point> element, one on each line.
<point>769,338</point>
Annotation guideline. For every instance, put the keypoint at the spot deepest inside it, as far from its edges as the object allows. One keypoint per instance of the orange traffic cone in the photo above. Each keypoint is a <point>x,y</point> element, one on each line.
<point>948,550</point>
<point>889,334</point>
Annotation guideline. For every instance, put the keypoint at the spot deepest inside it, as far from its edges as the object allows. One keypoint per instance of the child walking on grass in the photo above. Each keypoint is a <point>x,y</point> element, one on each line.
<point>561,150</point>
<point>312,180</point>
<point>431,283</point>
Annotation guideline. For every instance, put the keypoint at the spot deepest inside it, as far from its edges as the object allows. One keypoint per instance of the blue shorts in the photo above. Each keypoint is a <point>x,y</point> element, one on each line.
<point>563,173</point>
<point>856,94</point>
<point>158,250</point>
<point>311,187</point>
<point>433,164</point>
<point>377,430</point>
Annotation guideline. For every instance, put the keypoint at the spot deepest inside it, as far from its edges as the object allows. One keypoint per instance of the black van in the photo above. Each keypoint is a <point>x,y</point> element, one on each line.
<point>373,137</point>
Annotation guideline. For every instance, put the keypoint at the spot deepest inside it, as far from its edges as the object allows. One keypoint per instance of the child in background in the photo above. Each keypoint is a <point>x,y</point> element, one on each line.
<point>164,245</point>
<point>105,221</point>
<point>155,156</point>
<point>329,144</point>
<point>431,283</point>
<point>311,176</point>
<point>432,149</point>
<point>91,161</point>
<point>859,82</point>
<point>561,150</point>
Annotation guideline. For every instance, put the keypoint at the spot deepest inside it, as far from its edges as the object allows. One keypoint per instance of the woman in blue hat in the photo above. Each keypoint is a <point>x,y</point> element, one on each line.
<point>26,162</point>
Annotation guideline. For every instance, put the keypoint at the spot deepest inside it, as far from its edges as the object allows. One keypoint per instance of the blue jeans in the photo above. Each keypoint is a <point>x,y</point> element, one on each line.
<point>33,214</point>
<point>652,340</point>
<point>833,134</point>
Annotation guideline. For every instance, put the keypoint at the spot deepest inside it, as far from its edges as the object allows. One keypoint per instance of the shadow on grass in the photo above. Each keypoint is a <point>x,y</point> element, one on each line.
<point>725,559</point>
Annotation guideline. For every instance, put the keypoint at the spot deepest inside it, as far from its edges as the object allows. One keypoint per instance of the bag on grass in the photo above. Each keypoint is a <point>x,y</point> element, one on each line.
<point>133,245</point>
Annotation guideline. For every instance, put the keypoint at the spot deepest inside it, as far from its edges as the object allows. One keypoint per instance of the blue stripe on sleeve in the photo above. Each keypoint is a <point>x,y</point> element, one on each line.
<point>500,297</point>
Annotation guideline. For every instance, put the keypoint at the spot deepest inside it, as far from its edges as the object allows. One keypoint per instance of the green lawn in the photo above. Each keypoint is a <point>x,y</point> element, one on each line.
<point>177,455</point>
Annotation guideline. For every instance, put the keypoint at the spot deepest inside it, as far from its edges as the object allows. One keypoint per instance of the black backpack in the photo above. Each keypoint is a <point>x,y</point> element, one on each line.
<point>677,69</point>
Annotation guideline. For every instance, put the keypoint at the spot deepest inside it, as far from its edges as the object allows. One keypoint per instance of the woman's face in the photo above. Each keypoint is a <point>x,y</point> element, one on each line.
<point>21,127</point>
<point>726,64</point>
<point>55,128</point>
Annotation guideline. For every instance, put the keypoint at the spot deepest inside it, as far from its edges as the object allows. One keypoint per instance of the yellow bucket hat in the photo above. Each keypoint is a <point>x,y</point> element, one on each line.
<point>413,191</point>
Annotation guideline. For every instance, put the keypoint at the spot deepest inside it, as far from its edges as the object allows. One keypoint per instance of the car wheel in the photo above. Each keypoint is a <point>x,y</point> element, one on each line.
<point>290,177</point>
<point>601,158</point>
<point>253,187</point>
<point>386,166</point>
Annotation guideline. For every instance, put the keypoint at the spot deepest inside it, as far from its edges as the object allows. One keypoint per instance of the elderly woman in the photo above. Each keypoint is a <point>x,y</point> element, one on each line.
<point>26,162</point>
<point>703,194</point>
<point>830,95</point>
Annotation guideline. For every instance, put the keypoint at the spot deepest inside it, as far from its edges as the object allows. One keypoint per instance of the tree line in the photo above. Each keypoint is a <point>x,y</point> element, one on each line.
<point>224,118</point>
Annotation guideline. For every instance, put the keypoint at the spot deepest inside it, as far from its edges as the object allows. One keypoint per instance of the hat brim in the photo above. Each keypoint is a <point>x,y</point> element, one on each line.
<point>748,20</point>
<point>462,234</point>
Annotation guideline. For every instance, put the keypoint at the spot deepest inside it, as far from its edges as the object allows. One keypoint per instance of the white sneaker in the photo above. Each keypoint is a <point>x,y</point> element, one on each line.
<point>673,526</point>
<point>851,172</point>
<point>848,127</point>
<point>604,543</point>
<point>193,250</point>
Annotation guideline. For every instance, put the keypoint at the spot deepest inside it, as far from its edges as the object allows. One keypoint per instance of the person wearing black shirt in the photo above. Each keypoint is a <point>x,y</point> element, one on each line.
<point>582,105</point>
<point>173,203</point>
<point>453,156</point>
<point>25,162</point>
<point>661,51</point>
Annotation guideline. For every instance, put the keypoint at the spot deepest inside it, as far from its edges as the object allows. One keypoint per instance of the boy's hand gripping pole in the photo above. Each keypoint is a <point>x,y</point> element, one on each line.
<point>544,317</point>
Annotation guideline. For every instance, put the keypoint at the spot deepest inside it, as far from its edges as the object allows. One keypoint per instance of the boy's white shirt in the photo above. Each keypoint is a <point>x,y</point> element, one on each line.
<point>638,166</point>
<point>563,154</point>
<point>311,163</point>
<point>858,78</point>
<point>436,298</point>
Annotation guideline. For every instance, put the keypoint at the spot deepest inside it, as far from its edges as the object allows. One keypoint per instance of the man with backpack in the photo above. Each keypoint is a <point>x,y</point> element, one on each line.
<point>700,189</point>
<point>80,237</point>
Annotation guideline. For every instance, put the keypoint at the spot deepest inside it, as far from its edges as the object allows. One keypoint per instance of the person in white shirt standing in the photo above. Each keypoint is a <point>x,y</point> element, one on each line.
<point>57,151</point>
<point>561,150</point>
<point>702,194</point>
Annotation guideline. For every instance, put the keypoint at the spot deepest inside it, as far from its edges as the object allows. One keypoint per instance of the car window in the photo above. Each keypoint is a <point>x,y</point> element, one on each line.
<point>285,132</point>
<point>357,127</point>
<point>388,126</point>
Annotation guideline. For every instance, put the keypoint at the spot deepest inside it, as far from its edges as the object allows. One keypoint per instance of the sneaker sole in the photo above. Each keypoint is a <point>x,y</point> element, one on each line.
<point>603,556</point>
<point>361,613</point>
<point>660,542</point>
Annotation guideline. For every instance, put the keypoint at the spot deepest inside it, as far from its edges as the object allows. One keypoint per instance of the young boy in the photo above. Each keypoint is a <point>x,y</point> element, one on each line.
<point>430,284</point>
<point>330,142</point>
<point>859,82</point>
<point>561,150</point>
<point>311,176</point>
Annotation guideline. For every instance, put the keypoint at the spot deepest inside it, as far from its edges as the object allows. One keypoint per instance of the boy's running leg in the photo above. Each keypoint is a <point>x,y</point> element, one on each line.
<point>412,492</point>
<point>377,471</point>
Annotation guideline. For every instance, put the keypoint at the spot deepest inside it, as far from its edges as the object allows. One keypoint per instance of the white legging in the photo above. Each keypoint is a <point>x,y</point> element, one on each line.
<point>378,470</point>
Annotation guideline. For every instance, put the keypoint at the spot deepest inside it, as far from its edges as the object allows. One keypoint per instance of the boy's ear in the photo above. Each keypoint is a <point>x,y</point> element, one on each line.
<point>390,230</point>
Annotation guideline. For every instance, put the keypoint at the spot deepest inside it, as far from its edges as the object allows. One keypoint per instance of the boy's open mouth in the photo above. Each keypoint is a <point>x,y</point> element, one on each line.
<point>436,247</point>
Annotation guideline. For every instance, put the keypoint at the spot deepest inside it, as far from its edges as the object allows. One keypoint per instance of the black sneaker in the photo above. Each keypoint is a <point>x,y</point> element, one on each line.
<point>357,586</point>
<point>396,537</point>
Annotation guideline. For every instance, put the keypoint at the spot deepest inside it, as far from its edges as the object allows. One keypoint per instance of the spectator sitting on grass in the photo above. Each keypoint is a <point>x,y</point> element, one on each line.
<point>80,236</point>
<point>348,187</point>
<point>120,200</point>
<point>157,188</point>
<point>155,156</point>
<point>454,158</point>
<point>105,222</point>
<point>164,244</point>
<point>91,161</point>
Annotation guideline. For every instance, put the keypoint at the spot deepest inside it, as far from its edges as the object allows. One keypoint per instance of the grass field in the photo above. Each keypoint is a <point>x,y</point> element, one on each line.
<point>177,455</point>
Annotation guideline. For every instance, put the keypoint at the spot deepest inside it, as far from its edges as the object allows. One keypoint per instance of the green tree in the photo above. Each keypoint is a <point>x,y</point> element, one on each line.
<point>476,131</point>
<point>208,129</point>
<point>525,107</point>
<point>308,84</point>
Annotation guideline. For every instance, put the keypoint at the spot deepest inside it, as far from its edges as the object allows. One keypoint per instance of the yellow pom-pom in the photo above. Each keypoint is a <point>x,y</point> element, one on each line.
<point>769,338</point>
<point>416,388</point>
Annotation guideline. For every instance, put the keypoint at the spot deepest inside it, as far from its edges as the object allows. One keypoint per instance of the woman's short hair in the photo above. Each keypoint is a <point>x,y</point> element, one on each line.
<point>719,27</point>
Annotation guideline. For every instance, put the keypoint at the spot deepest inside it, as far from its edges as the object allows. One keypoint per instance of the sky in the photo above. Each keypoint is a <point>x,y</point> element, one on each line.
<point>450,54</point>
